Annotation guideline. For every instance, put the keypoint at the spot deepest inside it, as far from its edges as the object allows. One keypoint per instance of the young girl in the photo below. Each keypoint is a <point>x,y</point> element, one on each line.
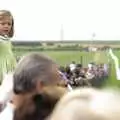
<point>7,59</point>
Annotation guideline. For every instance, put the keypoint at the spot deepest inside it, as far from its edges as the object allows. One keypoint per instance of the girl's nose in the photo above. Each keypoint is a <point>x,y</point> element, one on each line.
<point>6,25</point>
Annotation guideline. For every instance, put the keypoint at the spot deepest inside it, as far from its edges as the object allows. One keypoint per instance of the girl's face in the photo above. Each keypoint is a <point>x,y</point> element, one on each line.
<point>5,25</point>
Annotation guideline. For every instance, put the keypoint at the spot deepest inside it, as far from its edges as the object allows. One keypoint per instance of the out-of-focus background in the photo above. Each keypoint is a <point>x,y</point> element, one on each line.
<point>68,30</point>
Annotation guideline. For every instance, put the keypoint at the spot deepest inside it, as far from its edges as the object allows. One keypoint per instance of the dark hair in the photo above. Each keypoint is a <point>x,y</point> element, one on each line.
<point>62,69</point>
<point>44,104</point>
<point>73,62</point>
<point>29,69</point>
<point>79,65</point>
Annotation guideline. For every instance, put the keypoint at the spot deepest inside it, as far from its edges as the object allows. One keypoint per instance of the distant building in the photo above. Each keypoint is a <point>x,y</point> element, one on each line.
<point>93,49</point>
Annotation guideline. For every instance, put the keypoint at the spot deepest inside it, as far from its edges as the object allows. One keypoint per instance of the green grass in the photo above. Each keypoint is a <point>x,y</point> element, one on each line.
<point>65,57</point>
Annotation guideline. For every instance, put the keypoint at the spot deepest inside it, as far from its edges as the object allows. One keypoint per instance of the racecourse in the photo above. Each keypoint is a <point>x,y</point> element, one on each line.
<point>65,58</point>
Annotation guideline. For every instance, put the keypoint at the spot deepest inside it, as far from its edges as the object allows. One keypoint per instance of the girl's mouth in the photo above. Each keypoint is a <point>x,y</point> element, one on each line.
<point>5,30</point>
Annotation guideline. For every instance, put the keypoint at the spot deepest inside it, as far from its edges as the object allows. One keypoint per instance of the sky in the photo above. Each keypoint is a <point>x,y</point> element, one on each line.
<point>77,19</point>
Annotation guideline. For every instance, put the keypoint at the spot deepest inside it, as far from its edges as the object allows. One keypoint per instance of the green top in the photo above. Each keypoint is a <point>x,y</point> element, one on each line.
<point>7,59</point>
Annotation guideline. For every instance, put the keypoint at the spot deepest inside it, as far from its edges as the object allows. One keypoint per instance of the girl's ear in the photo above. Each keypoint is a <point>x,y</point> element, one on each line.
<point>11,33</point>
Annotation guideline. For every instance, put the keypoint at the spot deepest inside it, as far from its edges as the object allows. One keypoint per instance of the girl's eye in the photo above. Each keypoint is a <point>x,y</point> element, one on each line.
<point>9,24</point>
<point>6,23</point>
<point>1,23</point>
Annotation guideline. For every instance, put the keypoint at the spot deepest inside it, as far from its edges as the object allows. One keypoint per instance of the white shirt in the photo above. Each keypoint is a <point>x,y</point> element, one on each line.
<point>90,66</point>
<point>72,67</point>
<point>8,112</point>
<point>6,88</point>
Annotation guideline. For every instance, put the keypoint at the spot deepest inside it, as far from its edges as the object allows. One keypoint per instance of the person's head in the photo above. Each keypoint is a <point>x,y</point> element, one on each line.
<point>67,69</point>
<point>88,104</point>
<point>62,69</point>
<point>35,86</point>
<point>33,72</point>
<point>79,65</point>
<point>73,62</point>
<point>6,23</point>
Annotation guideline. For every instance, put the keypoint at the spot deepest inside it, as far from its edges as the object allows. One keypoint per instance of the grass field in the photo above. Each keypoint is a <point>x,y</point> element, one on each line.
<point>65,57</point>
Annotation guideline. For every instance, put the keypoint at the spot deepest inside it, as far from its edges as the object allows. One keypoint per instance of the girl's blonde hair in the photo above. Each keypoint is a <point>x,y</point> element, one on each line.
<point>3,15</point>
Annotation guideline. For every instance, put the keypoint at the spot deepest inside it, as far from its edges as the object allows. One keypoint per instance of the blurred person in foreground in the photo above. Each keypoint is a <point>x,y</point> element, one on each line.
<point>35,89</point>
<point>88,104</point>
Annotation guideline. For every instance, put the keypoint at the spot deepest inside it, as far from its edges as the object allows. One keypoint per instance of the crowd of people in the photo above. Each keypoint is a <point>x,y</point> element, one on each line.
<point>77,75</point>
